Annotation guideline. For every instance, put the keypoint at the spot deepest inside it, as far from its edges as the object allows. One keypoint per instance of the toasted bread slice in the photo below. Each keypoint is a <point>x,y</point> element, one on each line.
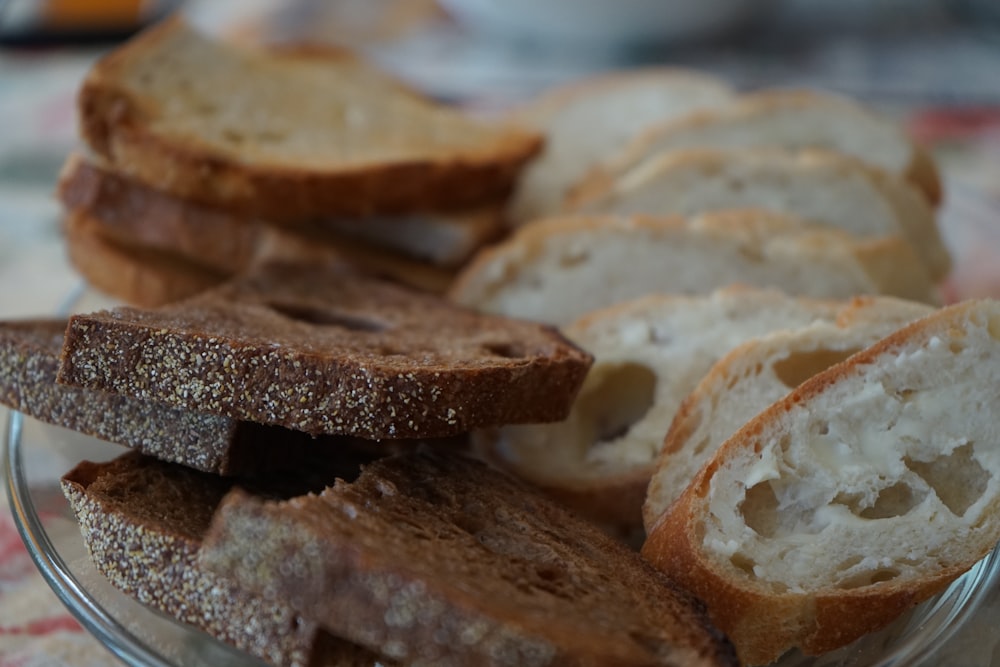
<point>820,186</point>
<point>444,561</point>
<point>143,522</point>
<point>136,214</point>
<point>863,492</point>
<point>586,121</point>
<point>753,376</point>
<point>144,277</point>
<point>790,119</point>
<point>287,135</point>
<point>321,348</point>
<point>648,356</point>
<point>560,269</point>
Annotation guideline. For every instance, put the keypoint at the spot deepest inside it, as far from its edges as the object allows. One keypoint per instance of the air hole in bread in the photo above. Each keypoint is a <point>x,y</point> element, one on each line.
<point>751,253</point>
<point>325,317</point>
<point>956,347</point>
<point>270,136</point>
<point>652,645</point>
<point>205,108</point>
<point>798,367</point>
<point>615,397</point>
<point>957,478</point>
<point>571,257</point>
<point>896,500</point>
<point>232,136</point>
<point>993,326</point>
<point>743,562</point>
<point>760,510</point>
<point>505,350</point>
<point>869,578</point>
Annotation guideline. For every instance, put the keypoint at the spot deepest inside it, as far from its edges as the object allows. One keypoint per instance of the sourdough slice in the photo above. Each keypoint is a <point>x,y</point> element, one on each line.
<point>649,354</point>
<point>143,522</point>
<point>144,277</point>
<point>586,121</point>
<point>791,119</point>
<point>287,135</point>
<point>754,375</point>
<point>135,214</point>
<point>558,270</point>
<point>444,561</point>
<point>29,364</point>
<point>321,348</point>
<point>865,491</point>
<point>820,186</point>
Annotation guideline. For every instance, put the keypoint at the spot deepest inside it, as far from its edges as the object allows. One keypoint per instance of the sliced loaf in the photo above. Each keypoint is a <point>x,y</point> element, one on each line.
<point>649,354</point>
<point>753,376</point>
<point>820,186</point>
<point>791,119</point>
<point>321,348</point>
<point>863,492</point>
<point>586,121</point>
<point>443,561</point>
<point>287,135</point>
<point>557,270</point>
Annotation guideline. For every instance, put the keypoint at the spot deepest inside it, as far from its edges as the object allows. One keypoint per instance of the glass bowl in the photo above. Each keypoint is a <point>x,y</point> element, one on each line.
<point>956,627</point>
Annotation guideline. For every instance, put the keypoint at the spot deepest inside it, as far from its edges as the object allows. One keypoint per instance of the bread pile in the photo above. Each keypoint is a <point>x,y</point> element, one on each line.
<point>712,331</point>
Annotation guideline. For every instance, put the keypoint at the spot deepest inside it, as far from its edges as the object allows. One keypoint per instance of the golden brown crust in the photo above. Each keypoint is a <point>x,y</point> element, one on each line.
<point>137,276</point>
<point>924,174</point>
<point>123,128</point>
<point>762,622</point>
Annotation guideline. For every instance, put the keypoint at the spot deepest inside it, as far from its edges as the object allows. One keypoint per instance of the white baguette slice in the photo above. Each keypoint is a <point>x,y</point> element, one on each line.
<point>863,492</point>
<point>823,187</point>
<point>649,353</point>
<point>792,119</point>
<point>557,270</point>
<point>756,374</point>
<point>586,121</point>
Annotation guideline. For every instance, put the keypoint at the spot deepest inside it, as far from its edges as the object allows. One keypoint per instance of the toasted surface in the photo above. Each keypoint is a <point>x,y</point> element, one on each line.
<point>756,374</point>
<point>648,355</point>
<point>794,119</point>
<point>823,187</point>
<point>287,135</point>
<point>135,214</point>
<point>143,521</point>
<point>442,560</point>
<point>863,492</point>
<point>323,349</point>
<point>560,269</point>
<point>140,276</point>
<point>585,121</point>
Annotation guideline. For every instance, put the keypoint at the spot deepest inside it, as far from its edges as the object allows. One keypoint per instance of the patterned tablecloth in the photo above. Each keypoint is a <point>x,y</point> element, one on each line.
<point>940,78</point>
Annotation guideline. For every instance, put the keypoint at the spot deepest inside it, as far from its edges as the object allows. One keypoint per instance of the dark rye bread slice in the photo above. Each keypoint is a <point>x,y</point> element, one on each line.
<point>445,561</point>
<point>288,135</point>
<point>143,521</point>
<point>323,349</point>
<point>29,363</point>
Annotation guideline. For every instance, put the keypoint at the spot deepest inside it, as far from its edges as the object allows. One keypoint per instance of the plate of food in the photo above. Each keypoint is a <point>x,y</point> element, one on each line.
<point>434,395</point>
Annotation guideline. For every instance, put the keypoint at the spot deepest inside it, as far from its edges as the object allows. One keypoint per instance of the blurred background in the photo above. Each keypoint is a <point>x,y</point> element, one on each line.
<point>934,65</point>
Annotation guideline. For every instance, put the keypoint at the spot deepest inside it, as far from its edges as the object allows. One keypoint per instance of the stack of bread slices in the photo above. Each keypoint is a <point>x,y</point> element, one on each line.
<point>711,330</point>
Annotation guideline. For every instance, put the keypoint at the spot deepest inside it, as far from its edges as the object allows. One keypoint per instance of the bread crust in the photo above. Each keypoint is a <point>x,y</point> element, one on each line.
<point>424,550</point>
<point>123,127</point>
<point>369,359</point>
<point>764,621</point>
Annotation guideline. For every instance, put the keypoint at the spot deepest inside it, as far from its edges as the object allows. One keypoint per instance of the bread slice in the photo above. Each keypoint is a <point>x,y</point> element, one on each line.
<point>135,214</point>
<point>753,376</point>
<point>791,119</point>
<point>820,186</point>
<point>143,522</point>
<point>321,348</point>
<point>863,492</point>
<point>144,277</point>
<point>442,560</point>
<point>586,121</point>
<point>287,135</point>
<point>649,354</point>
<point>557,270</point>
<point>29,364</point>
